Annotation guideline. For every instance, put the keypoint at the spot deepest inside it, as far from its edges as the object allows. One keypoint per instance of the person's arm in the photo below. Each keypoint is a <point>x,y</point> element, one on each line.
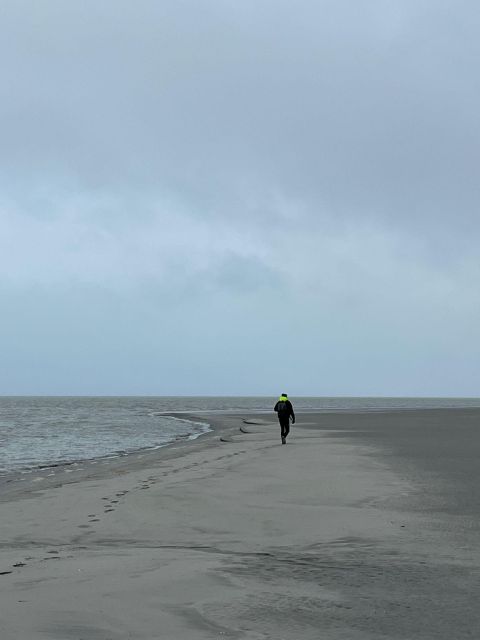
<point>292,412</point>
<point>275,408</point>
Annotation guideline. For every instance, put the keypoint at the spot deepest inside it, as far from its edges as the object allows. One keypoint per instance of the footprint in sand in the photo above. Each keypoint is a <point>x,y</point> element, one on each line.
<point>84,526</point>
<point>19,564</point>
<point>5,573</point>
<point>108,510</point>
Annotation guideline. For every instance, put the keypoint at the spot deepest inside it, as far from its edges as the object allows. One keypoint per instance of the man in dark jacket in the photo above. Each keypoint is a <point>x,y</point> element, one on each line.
<point>284,411</point>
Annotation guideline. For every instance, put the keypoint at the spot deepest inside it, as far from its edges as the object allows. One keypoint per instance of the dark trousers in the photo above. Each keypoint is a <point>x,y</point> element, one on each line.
<point>284,425</point>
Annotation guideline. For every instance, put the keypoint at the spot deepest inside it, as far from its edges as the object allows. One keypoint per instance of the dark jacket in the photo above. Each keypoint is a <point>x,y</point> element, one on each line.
<point>287,412</point>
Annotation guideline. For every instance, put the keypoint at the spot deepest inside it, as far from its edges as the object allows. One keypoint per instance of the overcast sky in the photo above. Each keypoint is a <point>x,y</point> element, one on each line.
<point>240,197</point>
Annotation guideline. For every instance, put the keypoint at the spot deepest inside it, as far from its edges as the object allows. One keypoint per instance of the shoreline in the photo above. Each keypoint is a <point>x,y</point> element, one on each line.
<point>18,484</point>
<point>217,422</point>
<point>214,417</point>
<point>60,468</point>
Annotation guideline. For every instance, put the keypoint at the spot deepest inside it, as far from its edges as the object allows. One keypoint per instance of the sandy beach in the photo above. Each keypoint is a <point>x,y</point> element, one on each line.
<point>354,529</point>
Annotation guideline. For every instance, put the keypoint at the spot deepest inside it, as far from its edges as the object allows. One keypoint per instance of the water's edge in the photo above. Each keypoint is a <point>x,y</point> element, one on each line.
<point>46,433</point>
<point>202,429</point>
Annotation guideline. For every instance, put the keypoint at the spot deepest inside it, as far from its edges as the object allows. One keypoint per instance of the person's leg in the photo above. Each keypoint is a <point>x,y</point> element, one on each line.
<point>284,427</point>
<point>287,427</point>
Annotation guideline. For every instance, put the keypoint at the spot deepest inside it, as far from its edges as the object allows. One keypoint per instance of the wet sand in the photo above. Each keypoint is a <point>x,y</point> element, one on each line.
<point>362,526</point>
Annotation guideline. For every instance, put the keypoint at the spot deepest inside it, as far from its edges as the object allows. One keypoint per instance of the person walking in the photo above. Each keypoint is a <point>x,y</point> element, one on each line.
<point>284,411</point>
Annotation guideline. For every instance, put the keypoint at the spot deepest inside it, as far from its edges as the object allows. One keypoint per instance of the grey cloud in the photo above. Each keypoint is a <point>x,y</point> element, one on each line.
<point>243,172</point>
<point>369,109</point>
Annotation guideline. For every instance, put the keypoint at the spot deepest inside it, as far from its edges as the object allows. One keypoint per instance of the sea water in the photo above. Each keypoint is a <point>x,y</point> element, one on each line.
<point>38,431</point>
